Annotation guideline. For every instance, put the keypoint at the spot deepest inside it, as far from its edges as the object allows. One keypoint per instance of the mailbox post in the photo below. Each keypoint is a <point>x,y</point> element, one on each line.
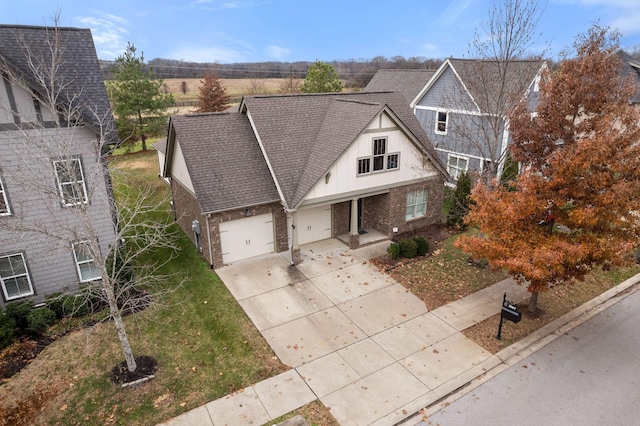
<point>509,312</point>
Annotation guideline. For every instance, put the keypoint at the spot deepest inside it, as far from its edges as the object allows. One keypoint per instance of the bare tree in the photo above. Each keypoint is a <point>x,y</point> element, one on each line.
<point>499,72</point>
<point>67,203</point>
<point>256,86</point>
<point>290,85</point>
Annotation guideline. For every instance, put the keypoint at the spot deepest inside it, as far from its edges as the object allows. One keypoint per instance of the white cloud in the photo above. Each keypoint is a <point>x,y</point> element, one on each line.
<point>108,33</point>
<point>277,52</point>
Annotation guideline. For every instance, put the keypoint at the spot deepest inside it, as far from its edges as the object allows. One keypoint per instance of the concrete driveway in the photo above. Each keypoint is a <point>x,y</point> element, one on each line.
<point>365,346</point>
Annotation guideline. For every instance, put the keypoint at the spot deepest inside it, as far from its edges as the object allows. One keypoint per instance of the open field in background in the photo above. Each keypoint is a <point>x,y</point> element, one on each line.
<point>236,87</point>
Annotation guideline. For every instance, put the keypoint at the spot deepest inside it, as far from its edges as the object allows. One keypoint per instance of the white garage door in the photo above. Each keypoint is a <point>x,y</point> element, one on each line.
<point>314,224</point>
<point>247,237</point>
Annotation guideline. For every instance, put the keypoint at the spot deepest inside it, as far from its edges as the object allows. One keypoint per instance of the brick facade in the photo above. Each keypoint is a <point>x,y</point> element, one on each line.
<point>380,212</point>
<point>187,210</point>
<point>398,206</point>
<point>376,213</point>
<point>340,225</point>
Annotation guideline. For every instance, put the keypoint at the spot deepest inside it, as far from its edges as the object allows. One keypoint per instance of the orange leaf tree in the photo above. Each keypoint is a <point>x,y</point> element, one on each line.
<point>576,205</point>
<point>213,95</point>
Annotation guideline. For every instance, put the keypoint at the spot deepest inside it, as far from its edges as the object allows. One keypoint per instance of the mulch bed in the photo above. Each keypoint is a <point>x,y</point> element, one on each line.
<point>434,234</point>
<point>15,357</point>
<point>146,366</point>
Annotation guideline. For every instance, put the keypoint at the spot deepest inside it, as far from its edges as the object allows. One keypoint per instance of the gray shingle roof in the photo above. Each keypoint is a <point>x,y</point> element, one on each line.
<point>224,161</point>
<point>79,72</point>
<point>408,82</point>
<point>160,146</point>
<point>631,68</point>
<point>483,80</point>
<point>303,135</point>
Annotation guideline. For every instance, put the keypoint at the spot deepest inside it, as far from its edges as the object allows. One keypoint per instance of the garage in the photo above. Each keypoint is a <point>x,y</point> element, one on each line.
<point>247,237</point>
<point>314,224</point>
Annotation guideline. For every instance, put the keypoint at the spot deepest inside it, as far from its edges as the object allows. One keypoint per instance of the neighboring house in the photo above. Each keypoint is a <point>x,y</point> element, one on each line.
<point>161,147</point>
<point>408,82</point>
<point>283,171</point>
<point>631,69</point>
<point>54,187</point>
<point>462,108</point>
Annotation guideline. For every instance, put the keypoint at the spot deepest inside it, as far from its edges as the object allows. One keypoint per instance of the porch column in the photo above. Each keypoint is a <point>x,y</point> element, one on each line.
<point>296,258</point>
<point>354,236</point>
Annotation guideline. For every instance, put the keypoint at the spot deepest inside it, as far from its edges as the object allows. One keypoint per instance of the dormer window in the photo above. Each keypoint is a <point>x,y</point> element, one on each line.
<point>381,159</point>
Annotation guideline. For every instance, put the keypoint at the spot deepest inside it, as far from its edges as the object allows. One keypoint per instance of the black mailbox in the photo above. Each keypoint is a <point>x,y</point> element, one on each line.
<point>510,312</point>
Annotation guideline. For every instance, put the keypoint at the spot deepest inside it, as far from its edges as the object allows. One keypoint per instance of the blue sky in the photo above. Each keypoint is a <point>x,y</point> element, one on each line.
<point>227,31</point>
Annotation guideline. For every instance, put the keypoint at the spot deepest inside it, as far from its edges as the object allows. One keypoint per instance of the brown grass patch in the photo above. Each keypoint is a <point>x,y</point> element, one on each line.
<point>441,277</point>
<point>236,87</point>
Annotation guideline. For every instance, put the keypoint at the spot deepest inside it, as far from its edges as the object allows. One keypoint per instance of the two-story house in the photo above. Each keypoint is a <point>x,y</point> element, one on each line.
<point>283,171</point>
<point>463,108</point>
<point>55,197</point>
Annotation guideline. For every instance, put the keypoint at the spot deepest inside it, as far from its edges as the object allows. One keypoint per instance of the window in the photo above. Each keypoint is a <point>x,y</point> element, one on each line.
<point>15,277</point>
<point>457,165</point>
<point>4,202</point>
<point>392,161</point>
<point>71,182</point>
<point>380,159</point>
<point>379,149</point>
<point>36,106</point>
<point>441,122</point>
<point>364,166</point>
<point>85,263</point>
<point>416,204</point>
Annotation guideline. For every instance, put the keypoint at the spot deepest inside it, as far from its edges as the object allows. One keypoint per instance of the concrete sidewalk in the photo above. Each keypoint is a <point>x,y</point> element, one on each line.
<point>355,339</point>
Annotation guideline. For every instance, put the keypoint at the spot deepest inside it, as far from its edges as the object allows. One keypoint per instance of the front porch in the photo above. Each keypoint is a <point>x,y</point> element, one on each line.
<point>365,237</point>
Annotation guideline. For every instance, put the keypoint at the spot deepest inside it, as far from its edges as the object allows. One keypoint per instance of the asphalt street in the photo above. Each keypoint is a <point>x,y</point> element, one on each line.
<point>589,376</point>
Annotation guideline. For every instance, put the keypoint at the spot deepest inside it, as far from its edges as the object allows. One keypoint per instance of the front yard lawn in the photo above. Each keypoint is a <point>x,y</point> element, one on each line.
<point>205,345</point>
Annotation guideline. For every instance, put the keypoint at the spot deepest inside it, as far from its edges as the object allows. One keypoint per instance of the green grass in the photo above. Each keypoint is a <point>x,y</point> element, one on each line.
<point>205,345</point>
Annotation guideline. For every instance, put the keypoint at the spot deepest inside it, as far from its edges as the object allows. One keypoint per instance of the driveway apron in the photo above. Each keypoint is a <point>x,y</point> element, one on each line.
<point>363,345</point>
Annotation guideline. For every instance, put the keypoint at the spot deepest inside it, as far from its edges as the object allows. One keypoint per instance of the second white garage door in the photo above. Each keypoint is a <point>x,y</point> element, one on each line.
<point>314,224</point>
<point>247,237</point>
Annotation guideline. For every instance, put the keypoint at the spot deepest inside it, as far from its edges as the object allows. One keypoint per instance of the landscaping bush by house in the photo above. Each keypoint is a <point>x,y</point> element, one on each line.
<point>19,311</point>
<point>422,245</point>
<point>408,248</point>
<point>7,326</point>
<point>40,319</point>
<point>394,250</point>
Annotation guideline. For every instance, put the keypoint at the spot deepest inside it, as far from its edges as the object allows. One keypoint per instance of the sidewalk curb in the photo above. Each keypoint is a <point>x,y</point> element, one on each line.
<point>532,343</point>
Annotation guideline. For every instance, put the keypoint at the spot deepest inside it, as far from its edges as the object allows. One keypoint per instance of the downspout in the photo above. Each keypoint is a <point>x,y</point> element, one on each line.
<point>209,242</point>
